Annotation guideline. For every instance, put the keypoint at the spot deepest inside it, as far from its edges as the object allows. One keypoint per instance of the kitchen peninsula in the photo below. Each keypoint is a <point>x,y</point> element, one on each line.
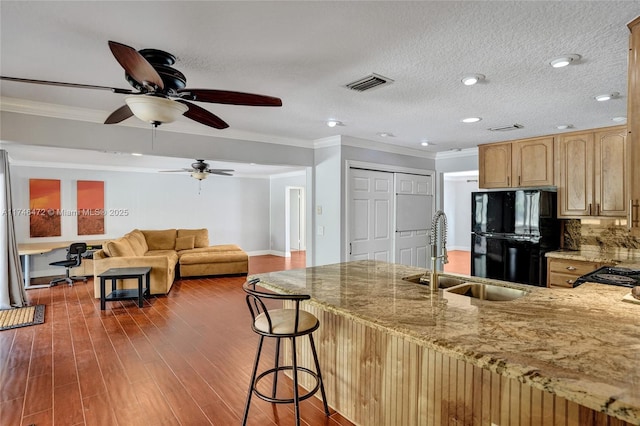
<point>393,353</point>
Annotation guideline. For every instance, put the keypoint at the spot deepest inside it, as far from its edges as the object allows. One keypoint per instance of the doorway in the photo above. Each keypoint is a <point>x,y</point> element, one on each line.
<point>295,226</point>
<point>458,187</point>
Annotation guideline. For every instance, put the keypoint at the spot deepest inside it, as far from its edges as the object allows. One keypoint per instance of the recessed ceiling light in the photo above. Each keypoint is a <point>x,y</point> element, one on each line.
<point>471,120</point>
<point>564,126</point>
<point>386,135</point>
<point>334,123</point>
<point>563,61</point>
<point>471,79</point>
<point>619,119</point>
<point>606,96</point>
<point>136,154</point>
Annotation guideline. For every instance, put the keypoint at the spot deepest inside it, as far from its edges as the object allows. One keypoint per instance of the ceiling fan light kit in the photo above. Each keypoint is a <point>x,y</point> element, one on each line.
<point>155,110</point>
<point>200,170</point>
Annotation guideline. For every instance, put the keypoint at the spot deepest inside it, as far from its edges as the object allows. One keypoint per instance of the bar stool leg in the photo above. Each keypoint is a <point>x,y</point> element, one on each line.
<point>275,374</point>
<point>251,384</point>
<point>315,359</point>
<point>296,402</point>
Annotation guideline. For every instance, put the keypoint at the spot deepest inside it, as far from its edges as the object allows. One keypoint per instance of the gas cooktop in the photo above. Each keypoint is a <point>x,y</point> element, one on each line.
<point>612,275</point>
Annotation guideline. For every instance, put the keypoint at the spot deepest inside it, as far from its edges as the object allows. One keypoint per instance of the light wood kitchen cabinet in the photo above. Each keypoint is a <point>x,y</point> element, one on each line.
<point>633,123</point>
<point>494,165</point>
<point>592,178</point>
<point>563,272</point>
<point>522,163</point>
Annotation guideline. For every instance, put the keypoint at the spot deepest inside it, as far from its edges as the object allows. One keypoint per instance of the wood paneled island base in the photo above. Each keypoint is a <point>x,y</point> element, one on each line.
<point>381,374</point>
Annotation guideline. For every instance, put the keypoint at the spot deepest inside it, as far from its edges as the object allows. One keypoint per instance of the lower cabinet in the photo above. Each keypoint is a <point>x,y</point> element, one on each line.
<point>564,272</point>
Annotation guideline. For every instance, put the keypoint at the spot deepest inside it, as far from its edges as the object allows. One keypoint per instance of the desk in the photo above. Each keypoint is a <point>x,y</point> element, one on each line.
<point>114,274</point>
<point>27,249</point>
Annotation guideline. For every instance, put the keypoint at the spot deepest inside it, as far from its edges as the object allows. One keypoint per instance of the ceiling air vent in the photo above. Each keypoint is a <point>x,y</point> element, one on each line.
<point>368,83</point>
<point>505,128</point>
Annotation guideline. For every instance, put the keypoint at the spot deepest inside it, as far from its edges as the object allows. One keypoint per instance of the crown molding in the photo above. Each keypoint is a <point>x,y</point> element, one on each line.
<point>467,152</point>
<point>24,106</point>
<point>343,140</point>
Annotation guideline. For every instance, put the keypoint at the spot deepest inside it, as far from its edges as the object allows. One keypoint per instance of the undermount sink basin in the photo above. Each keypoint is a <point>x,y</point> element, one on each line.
<point>443,281</point>
<point>487,291</point>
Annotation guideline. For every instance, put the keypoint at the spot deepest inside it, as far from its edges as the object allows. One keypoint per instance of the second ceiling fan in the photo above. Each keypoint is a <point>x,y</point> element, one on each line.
<point>160,94</point>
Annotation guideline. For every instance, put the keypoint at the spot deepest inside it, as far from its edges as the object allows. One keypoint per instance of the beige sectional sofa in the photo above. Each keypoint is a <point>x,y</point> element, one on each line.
<point>166,251</point>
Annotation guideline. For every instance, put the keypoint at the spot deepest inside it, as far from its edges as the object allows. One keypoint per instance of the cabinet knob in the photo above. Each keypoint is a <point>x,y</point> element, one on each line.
<point>571,268</point>
<point>570,282</point>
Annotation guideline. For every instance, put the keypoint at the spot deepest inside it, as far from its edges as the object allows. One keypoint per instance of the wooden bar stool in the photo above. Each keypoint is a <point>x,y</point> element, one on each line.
<point>279,324</point>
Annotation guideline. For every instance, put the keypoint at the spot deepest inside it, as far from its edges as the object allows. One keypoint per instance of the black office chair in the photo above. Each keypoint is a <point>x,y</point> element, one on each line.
<point>74,258</point>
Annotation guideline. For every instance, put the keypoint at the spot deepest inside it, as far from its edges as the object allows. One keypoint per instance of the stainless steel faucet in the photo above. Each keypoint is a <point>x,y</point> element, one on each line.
<point>439,218</point>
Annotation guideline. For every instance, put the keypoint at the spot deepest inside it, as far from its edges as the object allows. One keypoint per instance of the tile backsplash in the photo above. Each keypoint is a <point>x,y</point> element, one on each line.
<point>604,234</point>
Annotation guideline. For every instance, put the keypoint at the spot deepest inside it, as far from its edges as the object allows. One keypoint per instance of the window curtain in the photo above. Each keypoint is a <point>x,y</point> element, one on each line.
<point>12,292</point>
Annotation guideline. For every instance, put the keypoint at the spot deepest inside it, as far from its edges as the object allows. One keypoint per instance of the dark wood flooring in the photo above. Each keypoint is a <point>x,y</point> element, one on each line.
<point>182,359</point>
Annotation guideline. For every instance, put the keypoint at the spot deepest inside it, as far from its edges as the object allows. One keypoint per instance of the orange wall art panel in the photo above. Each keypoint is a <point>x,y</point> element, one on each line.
<point>90,207</point>
<point>44,208</point>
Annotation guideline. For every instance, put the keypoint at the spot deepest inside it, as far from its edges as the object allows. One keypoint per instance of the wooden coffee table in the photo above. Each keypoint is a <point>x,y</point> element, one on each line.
<point>114,274</point>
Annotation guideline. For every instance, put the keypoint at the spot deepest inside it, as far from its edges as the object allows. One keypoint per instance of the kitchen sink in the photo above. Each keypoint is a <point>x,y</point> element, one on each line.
<point>487,291</point>
<point>443,281</point>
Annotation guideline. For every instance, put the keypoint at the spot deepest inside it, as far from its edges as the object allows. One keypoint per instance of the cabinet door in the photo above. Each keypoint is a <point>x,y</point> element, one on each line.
<point>533,162</point>
<point>494,165</point>
<point>633,120</point>
<point>575,186</point>
<point>610,173</point>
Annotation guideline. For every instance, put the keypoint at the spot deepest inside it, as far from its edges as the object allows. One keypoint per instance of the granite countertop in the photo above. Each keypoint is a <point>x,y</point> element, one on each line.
<point>581,344</point>
<point>618,256</point>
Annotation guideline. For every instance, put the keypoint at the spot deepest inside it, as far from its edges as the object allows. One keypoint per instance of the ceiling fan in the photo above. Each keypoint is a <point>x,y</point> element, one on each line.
<point>200,170</point>
<point>160,94</point>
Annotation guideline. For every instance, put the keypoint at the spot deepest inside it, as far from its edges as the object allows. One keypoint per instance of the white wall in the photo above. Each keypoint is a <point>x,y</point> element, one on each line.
<point>279,185</point>
<point>328,190</point>
<point>233,209</point>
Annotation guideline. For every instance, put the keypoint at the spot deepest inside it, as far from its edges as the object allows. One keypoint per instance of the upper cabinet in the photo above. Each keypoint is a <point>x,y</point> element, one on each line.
<point>592,177</point>
<point>494,165</point>
<point>522,163</point>
<point>633,122</point>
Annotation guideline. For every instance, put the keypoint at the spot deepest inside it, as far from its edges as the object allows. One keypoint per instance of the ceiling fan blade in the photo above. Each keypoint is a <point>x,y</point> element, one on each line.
<point>213,172</point>
<point>119,115</point>
<point>75,85</point>
<point>228,97</point>
<point>135,64</point>
<point>220,170</point>
<point>203,116</point>
<point>177,171</point>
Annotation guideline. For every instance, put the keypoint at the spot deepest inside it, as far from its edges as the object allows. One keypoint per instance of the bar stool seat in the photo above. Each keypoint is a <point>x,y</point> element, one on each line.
<point>279,324</point>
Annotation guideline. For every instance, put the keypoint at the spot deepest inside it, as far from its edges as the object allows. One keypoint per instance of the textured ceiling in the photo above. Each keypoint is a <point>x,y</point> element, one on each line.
<point>304,52</point>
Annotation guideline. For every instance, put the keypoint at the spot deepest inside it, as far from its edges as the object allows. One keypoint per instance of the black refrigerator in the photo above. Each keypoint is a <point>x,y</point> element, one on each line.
<point>510,233</point>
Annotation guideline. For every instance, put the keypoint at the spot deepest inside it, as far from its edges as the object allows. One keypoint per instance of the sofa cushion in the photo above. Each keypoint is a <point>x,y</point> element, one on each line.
<point>201,236</point>
<point>160,240</point>
<point>171,255</point>
<point>139,236</point>
<point>120,248</point>
<point>135,244</point>
<point>185,243</point>
<point>212,257</point>
<point>213,249</point>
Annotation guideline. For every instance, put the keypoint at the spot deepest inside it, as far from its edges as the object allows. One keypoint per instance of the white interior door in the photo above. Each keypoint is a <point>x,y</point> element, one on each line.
<point>414,204</point>
<point>370,215</point>
<point>296,219</point>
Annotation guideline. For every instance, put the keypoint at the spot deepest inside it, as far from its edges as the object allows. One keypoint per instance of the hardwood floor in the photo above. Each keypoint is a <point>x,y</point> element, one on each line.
<point>183,359</point>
